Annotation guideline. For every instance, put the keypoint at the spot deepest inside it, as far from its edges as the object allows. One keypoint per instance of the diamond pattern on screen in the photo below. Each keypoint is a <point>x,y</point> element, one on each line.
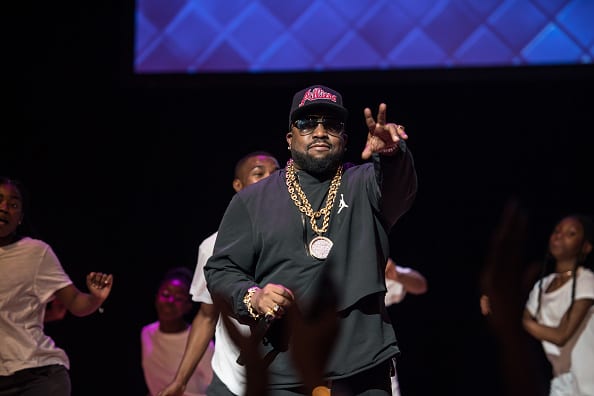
<point>202,36</point>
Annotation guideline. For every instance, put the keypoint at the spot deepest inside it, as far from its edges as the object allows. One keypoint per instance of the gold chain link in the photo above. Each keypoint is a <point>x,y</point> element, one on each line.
<point>298,196</point>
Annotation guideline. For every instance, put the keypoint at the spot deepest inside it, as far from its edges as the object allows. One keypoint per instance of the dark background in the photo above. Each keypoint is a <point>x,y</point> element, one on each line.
<point>127,174</point>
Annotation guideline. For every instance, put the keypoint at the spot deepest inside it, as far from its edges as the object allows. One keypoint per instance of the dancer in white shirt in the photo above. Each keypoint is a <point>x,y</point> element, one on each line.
<point>30,277</point>
<point>164,341</point>
<point>560,308</point>
<point>250,169</point>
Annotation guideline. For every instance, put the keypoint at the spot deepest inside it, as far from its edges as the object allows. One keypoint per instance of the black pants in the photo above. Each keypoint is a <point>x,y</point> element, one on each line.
<point>52,380</point>
<point>218,388</point>
<point>372,382</point>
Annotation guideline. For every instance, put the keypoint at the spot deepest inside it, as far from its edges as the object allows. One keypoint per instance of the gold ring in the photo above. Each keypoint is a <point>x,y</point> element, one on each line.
<point>276,308</point>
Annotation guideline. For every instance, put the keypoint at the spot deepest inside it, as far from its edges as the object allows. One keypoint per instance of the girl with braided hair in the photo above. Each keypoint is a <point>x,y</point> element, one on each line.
<point>560,307</point>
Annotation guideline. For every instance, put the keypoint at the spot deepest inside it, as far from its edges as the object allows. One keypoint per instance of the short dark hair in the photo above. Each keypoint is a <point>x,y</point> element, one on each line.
<point>182,273</point>
<point>246,157</point>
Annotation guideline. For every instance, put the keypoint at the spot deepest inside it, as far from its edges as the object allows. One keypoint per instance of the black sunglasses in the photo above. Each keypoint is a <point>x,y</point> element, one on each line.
<point>306,126</point>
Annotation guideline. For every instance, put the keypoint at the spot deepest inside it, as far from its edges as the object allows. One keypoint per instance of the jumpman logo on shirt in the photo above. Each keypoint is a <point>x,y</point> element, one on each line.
<point>342,204</point>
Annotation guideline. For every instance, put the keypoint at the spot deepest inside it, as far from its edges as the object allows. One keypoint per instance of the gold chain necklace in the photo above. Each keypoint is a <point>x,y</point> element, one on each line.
<point>319,246</point>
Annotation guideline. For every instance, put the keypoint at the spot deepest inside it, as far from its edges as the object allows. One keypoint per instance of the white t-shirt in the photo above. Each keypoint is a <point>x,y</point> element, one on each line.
<point>226,352</point>
<point>577,355</point>
<point>30,274</point>
<point>161,355</point>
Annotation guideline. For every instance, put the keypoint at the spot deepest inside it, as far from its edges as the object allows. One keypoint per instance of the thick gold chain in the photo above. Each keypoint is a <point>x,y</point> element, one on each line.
<point>298,196</point>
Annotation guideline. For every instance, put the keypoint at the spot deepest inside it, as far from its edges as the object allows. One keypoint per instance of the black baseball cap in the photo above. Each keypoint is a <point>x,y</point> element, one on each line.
<point>317,97</point>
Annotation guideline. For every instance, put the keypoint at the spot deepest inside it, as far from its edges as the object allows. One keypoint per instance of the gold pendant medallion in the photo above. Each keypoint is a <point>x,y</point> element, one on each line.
<point>319,247</point>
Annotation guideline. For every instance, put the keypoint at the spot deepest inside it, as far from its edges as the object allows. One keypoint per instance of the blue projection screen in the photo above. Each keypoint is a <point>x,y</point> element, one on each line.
<point>239,36</point>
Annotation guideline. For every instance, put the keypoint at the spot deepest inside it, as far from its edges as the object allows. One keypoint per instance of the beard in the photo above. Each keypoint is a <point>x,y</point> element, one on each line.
<point>321,168</point>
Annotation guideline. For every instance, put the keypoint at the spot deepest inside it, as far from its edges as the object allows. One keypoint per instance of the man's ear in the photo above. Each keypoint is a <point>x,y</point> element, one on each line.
<point>289,138</point>
<point>237,184</point>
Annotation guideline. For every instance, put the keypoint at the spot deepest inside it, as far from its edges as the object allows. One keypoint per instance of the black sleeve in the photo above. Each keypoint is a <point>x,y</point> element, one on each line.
<point>397,178</point>
<point>229,271</point>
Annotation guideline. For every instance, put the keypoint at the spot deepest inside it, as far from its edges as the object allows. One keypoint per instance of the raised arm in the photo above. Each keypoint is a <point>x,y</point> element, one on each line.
<point>393,162</point>
<point>83,304</point>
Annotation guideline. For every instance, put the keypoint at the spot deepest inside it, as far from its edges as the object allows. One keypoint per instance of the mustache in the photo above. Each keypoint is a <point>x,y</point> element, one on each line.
<point>318,141</point>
